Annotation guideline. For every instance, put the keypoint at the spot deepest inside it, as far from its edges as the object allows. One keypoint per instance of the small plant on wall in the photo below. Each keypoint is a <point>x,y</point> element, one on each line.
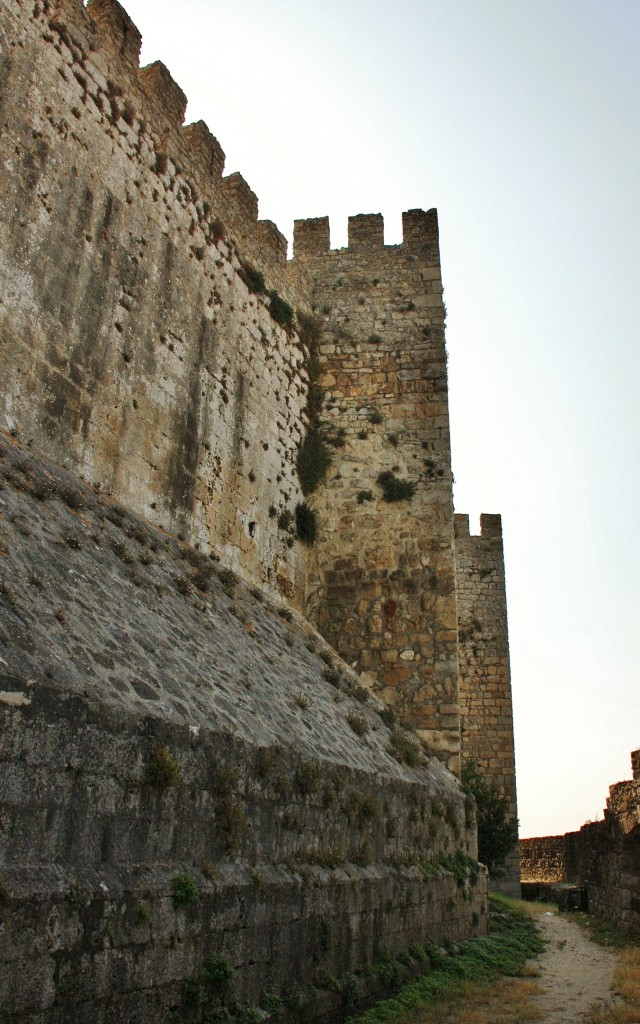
<point>254,279</point>
<point>314,459</point>
<point>162,770</point>
<point>497,830</point>
<point>394,488</point>
<point>280,310</point>
<point>306,523</point>
<point>314,454</point>
<point>184,890</point>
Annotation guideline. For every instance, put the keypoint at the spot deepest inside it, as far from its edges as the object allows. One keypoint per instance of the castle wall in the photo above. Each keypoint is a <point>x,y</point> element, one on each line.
<point>485,678</point>
<point>141,352</point>
<point>163,725</point>
<point>603,855</point>
<point>543,859</point>
<point>381,584</point>
<point>135,351</point>
<point>131,347</point>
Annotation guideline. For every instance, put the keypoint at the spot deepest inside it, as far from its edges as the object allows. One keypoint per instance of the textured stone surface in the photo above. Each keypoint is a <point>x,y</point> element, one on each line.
<point>485,678</point>
<point>382,583</point>
<point>130,345</point>
<point>147,358</point>
<point>138,347</point>
<point>603,855</point>
<point>117,640</point>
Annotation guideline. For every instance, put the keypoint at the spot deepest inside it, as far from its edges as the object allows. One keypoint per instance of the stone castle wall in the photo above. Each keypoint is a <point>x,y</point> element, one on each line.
<point>131,347</point>
<point>163,724</point>
<point>137,347</point>
<point>603,855</point>
<point>381,582</point>
<point>486,706</point>
<point>543,859</point>
<point>156,355</point>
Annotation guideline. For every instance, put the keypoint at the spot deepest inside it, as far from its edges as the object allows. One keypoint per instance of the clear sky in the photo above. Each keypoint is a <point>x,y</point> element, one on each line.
<point>519,120</point>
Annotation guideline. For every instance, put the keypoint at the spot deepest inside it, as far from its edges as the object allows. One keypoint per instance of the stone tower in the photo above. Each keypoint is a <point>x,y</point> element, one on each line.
<point>486,710</point>
<point>382,578</point>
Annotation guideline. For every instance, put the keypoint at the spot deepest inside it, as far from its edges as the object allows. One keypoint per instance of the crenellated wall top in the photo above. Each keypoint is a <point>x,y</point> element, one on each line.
<point>366,234</point>
<point>490,526</point>
<point>104,34</point>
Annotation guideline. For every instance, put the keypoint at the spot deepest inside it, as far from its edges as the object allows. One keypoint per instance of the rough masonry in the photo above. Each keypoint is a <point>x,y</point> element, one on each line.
<point>604,856</point>
<point>485,672</point>
<point>167,373</point>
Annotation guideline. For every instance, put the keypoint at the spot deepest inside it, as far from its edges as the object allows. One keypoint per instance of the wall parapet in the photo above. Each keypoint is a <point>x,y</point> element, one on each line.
<point>151,102</point>
<point>117,28</point>
<point>165,378</point>
<point>366,234</point>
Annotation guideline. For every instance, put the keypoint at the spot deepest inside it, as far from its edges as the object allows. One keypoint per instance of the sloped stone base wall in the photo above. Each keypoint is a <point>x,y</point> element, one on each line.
<point>187,771</point>
<point>93,928</point>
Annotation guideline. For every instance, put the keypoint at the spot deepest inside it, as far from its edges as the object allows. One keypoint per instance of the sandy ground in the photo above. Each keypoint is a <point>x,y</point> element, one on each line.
<point>575,974</point>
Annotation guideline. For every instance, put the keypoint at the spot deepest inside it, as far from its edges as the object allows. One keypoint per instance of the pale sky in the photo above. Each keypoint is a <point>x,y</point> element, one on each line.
<point>519,120</point>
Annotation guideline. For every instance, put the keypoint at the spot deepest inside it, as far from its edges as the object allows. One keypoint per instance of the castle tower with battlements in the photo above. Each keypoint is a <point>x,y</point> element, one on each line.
<point>381,581</point>
<point>151,341</point>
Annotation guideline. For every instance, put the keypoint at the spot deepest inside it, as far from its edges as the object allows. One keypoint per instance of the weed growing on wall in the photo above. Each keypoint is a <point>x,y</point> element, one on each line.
<point>273,1004</point>
<point>404,748</point>
<point>363,496</point>
<point>359,724</point>
<point>394,488</point>
<point>254,279</point>
<point>308,777</point>
<point>314,454</point>
<point>184,890</point>
<point>162,770</point>
<point>333,675</point>
<point>313,461</point>
<point>217,972</point>
<point>143,914</point>
<point>497,830</point>
<point>217,230</point>
<point>280,311</point>
<point>309,330</point>
<point>306,523</point>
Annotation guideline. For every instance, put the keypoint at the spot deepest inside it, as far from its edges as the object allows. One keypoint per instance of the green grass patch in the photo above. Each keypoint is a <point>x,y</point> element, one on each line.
<point>512,939</point>
<point>603,932</point>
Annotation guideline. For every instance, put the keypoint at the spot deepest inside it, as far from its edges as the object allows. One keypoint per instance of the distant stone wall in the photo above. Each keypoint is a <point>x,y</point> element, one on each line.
<point>131,347</point>
<point>486,706</point>
<point>603,855</point>
<point>543,859</point>
<point>382,583</point>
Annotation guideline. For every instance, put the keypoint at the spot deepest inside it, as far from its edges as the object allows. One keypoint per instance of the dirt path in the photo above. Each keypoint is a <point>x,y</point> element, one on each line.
<point>575,974</point>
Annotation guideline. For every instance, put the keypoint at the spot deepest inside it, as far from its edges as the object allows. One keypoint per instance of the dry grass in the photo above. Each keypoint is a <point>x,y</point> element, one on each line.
<point>506,1001</point>
<point>626,986</point>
